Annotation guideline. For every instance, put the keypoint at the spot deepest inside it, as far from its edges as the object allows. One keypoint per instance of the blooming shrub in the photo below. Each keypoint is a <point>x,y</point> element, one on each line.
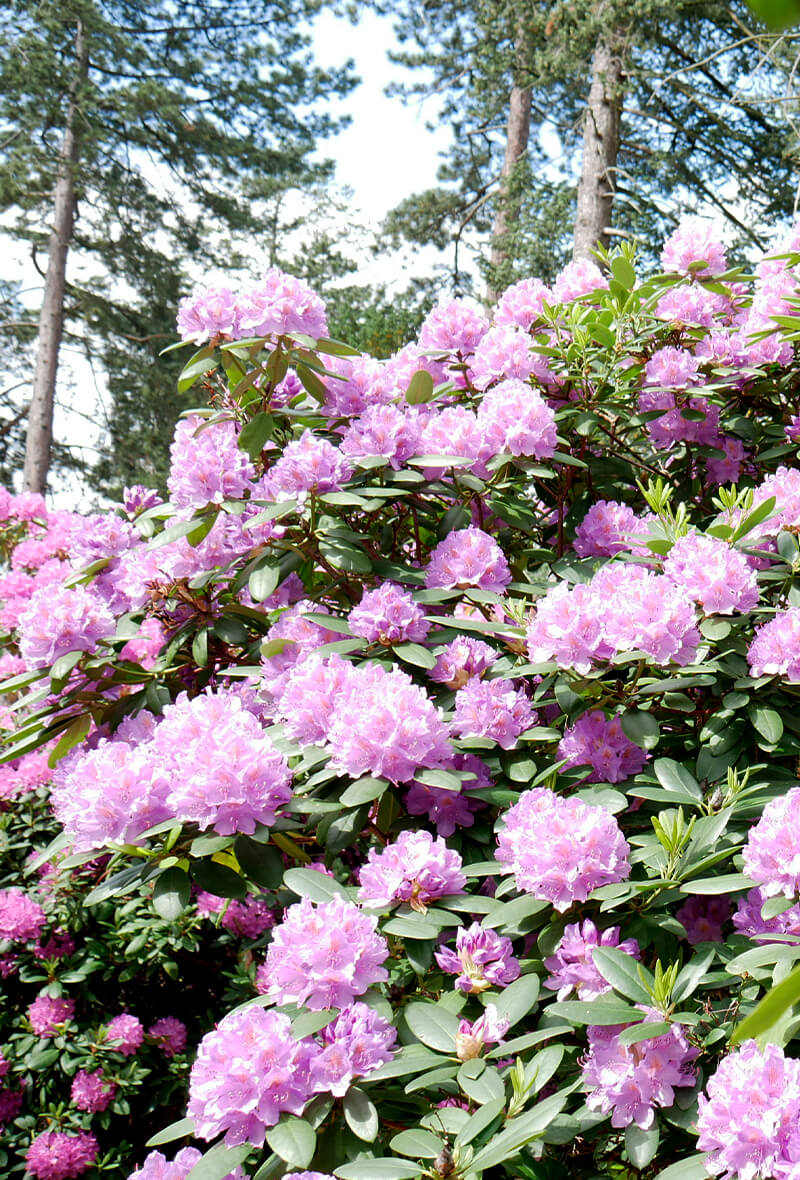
<point>414,794</point>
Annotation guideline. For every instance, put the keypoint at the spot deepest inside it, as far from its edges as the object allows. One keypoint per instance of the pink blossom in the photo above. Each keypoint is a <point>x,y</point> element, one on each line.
<point>576,279</point>
<point>125,1033</point>
<point>515,418</point>
<point>461,659</point>
<point>415,869</point>
<point>493,709</point>
<point>59,620</point>
<point>361,383</point>
<point>323,956</point>
<point>58,1155</point>
<point>354,1045</point>
<point>703,918</point>
<point>712,573</point>
<point>775,649</point>
<point>561,850</point>
<point>503,352</point>
<point>21,918</point>
<point>91,1091</point>
<point>387,615</point>
<point>453,326</point>
<point>597,741</point>
<point>468,557</point>
<point>607,528</point>
<point>209,313</point>
<point>748,919</point>
<point>246,919</point>
<point>170,1034</point>
<point>48,1013</point>
<point>448,810</point>
<point>572,966</point>
<point>520,305</point>
<point>207,465</point>
<point>488,1029</point>
<point>382,430</point>
<point>771,853</point>
<point>309,464</point>
<point>694,248</point>
<point>281,304</point>
<point>482,959</point>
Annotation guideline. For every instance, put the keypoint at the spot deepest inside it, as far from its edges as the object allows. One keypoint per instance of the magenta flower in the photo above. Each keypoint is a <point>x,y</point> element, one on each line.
<point>606,529</point>
<point>416,869</point>
<point>462,658</point>
<point>600,743</point>
<point>170,1035</point>
<point>57,1155</point>
<point>245,919</point>
<point>453,326</point>
<point>775,650</point>
<point>387,615</point>
<point>48,1013</point>
<point>124,1034</point>
<point>520,305</point>
<point>703,918</point>
<point>249,1071</point>
<point>323,956</point>
<point>748,1124</point>
<point>353,1046</point>
<point>10,1104</point>
<point>571,966</point>
<point>468,557</point>
<point>493,709</point>
<point>91,1091</point>
<point>210,312</point>
<point>21,918</point>
<point>631,1081</point>
<point>381,430</point>
<point>482,959</point>
<point>713,574</point>
<point>488,1029</point>
<point>694,248</point>
<point>559,849</point>
<point>157,1167</point>
<point>576,279</point>
<point>449,810</point>
<point>748,919</point>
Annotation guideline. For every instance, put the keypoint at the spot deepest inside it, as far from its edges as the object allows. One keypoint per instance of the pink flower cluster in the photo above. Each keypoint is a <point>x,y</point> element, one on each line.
<point>572,968</point>
<point>48,1013</point>
<point>606,529</point>
<point>447,809</point>
<point>713,574</point>
<point>514,418</point>
<point>599,742</point>
<point>462,658</point>
<point>387,615</point>
<point>631,1081</point>
<point>561,850</point>
<point>323,956</point>
<point>91,1091</point>
<point>309,464</point>
<point>749,1124</point>
<point>775,649</point>
<point>279,304</point>
<point>156,1166</point>
<point>748,919</point>
<point>468,557</point>
<point>58,620</point>
<point>493,709</point>
<point>59,1155</point>
<point>21,918</point>
<point>482,959</point>
<point>207,465</point>
<point>416,869</point>
<point>771,854</point>
<point>353,1045</point>
<point>246,919</point>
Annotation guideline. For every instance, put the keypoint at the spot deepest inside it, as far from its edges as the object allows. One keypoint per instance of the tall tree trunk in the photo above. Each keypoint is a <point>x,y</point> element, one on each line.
<point>518,128</point>
<point>51,318</point>
<point>600,149</point>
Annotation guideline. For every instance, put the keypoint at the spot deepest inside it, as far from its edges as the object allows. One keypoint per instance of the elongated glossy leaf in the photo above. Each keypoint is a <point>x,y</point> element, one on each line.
<point>318,887</point>
<point>378,1169</point>
<point>433,1025</point>
<point>417,1142</point>
<point>171,893</point>
<point>293,1140</point>
<point>219,1161</point>
<point>622,972</point>
<point>769,1011</point>
<point>174,1131</point>
<point>360,1114</point>
<point>520,1131</point>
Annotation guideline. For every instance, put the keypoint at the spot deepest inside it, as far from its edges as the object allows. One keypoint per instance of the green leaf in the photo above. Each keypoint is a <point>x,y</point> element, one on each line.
<point>418,1143</point>
<point>433,1025</point>
<point>294,1140</point>
<point>255,433</point>
<point>360,1114</point>
<point>121,882</point>
<point>623,272</point>
<point>200,364</point>
<point>415,653</point>
<point>691,1168</point>
<point>641,728</point>
<point>171,893</point>
<point>316,886</point>
<point>363,790</point>
<point>644,1032</point>
<point>70,738</point>
<point>640,1145</point>
<point>768,723</point>
<point>520,1131</point>
<point>410,1059</point>
<point>344,556</point>
<point>420,388</point>
<point>768,1012</point>
<point>481,1086</point>
<point>378,1169</point>
<point>777,14</point>
<point>262,863</point>
<point>218,879</point>
<point>264,579</point>
<point>676,779</point>
<point>763,512</point>
<point>691,976</point>
<point>516,1000</point>
<point>728,883</point>
<point>478,1122</point>
<point>311,382</point>
<point>602,1011</point>
<point>178,1130</point>
<point>622,972</point>
<point>218,1161</point>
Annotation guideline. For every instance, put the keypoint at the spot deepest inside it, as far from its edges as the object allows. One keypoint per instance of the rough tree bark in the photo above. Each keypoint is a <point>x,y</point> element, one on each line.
<point>600,149</point>
<point>51,318</point>
<point>518,129</point>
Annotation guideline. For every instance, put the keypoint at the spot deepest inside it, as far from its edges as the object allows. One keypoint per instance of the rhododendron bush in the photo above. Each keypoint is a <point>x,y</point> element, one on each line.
<point>413,793</point>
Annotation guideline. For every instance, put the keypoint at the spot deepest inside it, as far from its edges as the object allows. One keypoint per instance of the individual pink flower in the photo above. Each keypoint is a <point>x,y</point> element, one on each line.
<point>281,304</point>
<point>323,956</point>
<point>703,918</point>
<point>493,709</point>
<point>672,368</point>
<point>60,620</point>
<point>170,1034</point>
<point>387,615</point>
<point>156,1166</point>
<point>48,1013</point>
<point>309,464</point>
<point>386,727</point>
<point>353,1046</point>
<point>361,382</point>
<point>520,305</point>
<point>10,1104</point>
<point>712,573</point>
<point>482,959</point>
<point>58,1155</point>
<point>775,649</point>
<point>416,869</point>
<point>572,967</point>
<point>21,918</point>
<point>561,850</point>
<point>461,659</point>
<point>599,742</point>
<point>771,853</point>
<point>748,1123</point>
<point>694,248</point>
<point>124,1034</point>
<point>467,557</point>
<point>488,1029</point>
<point>515,418</point>
<point>449,810</point>
<point>453,432</point>
<point>91,1091</point>
<point>748,919</point>
<point>249,1071</point>
<point>630,1082</point>
<point>207,465</point>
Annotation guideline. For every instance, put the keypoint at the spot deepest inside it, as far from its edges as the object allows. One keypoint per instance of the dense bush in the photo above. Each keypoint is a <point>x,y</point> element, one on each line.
<point>438,740</point>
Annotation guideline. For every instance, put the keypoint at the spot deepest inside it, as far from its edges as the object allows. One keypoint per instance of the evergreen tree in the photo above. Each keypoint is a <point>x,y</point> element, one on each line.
<point>137,139</point>
<point>648,88</point>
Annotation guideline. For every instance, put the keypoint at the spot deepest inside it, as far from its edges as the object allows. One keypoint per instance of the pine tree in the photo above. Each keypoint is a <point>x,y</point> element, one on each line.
<point>137,139</point>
